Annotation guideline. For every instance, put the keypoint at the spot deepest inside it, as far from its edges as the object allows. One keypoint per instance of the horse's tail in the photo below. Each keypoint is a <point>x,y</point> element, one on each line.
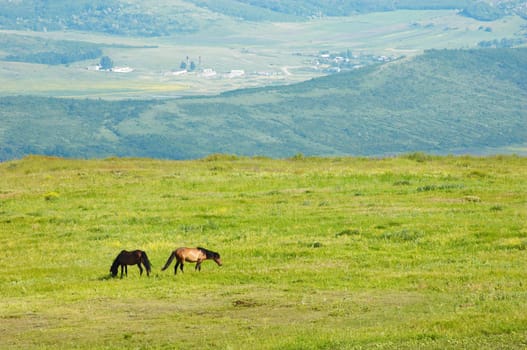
<point>115,266</point>
<point>146,262</point>
<point>169,261</point>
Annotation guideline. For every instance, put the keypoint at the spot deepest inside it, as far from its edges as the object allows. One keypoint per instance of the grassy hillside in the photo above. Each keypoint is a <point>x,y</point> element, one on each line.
<point>159,18</point>
<point>341,253</point>
<point>442,102</point>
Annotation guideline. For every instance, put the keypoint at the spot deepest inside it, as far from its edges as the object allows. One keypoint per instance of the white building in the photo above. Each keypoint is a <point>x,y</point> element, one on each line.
<point>122,69</point>
<point>235,73</point>
<point>208,72</point>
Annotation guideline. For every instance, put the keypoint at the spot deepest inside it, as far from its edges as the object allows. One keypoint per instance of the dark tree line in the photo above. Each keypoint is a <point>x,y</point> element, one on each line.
<point>108,16</point>
<point>55,58</point>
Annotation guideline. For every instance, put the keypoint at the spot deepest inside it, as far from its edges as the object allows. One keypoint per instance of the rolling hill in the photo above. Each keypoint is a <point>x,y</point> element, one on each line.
<point>254,9</point>
<point>160,18</point>
<point>442,102</point>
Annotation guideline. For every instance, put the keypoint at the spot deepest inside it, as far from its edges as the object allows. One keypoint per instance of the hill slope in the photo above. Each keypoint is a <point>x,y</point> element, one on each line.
<point>159,18</point>
<point>441,102</point>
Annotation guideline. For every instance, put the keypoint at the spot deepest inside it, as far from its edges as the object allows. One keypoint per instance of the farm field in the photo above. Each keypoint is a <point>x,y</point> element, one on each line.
<point>410,252</point>
<point>268,53</point>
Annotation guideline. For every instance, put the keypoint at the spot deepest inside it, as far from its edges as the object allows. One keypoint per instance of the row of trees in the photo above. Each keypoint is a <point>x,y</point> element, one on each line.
<point>188,66</point>
<point>55,58</point>
<point>502,43</point>
<point>284,10</point>
<point>24,48</point>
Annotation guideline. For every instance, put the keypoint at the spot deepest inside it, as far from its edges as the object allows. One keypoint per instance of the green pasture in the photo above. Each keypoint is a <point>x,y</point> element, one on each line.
<point>319,253</point>
<point>270,53</point>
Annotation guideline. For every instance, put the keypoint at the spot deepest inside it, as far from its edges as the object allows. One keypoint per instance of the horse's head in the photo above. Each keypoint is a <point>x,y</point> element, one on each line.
<point>115,266</point>
<point>216,258</point>
<point>211,255</point>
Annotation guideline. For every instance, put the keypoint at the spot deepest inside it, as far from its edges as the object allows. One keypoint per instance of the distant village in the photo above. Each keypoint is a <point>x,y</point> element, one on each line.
<point>116,69</point>
<point>329,62</point>
<point>186,66</point>
<point>324,61</point>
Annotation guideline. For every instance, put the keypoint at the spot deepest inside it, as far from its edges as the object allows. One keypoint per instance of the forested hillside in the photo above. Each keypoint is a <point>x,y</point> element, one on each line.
<point>24,48</point>
<point>486,10</point>
<point>315,8</point>
<point>141,18</point>
<point>441,102</point>
<point>108,16</point>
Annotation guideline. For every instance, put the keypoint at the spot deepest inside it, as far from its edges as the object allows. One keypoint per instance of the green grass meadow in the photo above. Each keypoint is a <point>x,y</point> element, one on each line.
<point>413,252</point>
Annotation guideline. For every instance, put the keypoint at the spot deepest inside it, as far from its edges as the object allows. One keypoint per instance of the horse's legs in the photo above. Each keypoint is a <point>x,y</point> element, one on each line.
<point>175,267</point>
<point>126,270</point>
<point>122,270</point>
<point>198,265</point>
<point>140,269</point>
<point>181,266</point>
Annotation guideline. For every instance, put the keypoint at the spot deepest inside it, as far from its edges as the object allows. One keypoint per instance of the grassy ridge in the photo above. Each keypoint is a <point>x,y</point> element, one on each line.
<point>408,252</point>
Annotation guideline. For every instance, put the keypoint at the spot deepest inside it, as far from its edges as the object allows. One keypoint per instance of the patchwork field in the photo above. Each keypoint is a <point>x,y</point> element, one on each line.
<point>319,253</point>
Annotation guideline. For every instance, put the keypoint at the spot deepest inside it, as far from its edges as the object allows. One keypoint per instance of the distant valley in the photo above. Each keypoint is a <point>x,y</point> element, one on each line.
<point>184,79</point>
<point>442,102</point>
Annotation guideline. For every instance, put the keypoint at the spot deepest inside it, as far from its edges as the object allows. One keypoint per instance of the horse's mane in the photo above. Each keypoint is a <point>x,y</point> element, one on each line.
<point>209,253</point>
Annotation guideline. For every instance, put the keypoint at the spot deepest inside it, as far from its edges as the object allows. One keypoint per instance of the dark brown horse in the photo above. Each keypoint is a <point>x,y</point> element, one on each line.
<point>125,258</point>
<point>193,255</point>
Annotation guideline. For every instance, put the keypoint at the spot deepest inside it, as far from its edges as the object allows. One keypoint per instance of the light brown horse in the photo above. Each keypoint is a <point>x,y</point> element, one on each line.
<point>126,258</point>
<point>193,255</point>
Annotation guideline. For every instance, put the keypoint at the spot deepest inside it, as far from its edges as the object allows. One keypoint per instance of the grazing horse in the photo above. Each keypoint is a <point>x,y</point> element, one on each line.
<point>194,255</point>
<point>125,258</point>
